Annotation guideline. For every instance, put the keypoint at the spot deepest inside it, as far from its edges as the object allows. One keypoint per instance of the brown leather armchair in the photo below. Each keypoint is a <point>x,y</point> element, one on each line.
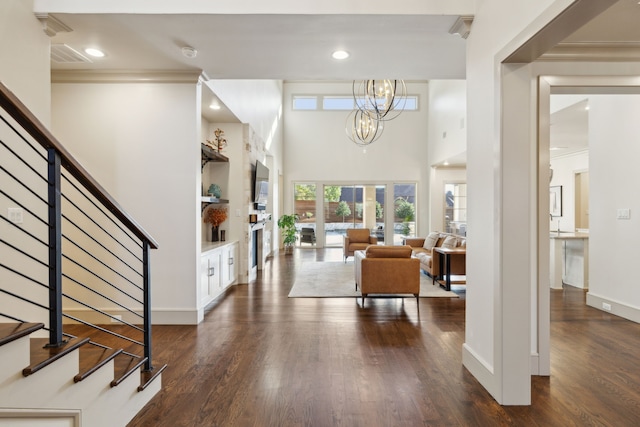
<point>387,270</point>
<point>357,239</point>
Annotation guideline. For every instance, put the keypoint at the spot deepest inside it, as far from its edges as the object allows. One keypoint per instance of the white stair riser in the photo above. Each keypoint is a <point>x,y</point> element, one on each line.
<point>94,402</point>
<point>36,390</point>
<point>15,357</point>
<point>120,405</point>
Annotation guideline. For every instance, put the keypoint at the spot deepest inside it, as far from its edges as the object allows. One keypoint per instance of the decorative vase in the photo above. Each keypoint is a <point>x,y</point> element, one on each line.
<point>215,234</point>
<point>215,191</point>
<point>222,235</point>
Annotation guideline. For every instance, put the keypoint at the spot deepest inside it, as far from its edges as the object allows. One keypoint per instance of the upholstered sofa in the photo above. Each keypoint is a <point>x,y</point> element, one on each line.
<point>387,270</point>
<point>429,260</point>
<point>357,239</point>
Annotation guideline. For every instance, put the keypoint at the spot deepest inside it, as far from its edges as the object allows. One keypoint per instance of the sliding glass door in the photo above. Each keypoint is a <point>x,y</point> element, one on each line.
<point>304,200</point>
<point>352,206</point>
<point>404,222</point>
<point>326,210</point>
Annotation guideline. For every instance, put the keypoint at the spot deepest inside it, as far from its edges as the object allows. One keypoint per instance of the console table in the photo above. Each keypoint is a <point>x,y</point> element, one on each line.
<point>444,276</point>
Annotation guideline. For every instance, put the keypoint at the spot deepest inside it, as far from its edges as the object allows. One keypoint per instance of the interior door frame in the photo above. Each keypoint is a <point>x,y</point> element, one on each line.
<point>548,85</point>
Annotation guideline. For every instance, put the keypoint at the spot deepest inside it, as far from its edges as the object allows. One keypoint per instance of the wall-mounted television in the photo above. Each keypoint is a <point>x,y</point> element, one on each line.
<point>260,186</point>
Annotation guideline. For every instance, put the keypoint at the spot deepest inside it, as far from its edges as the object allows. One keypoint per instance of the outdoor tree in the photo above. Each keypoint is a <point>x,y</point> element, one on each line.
<point>332,193</point>
<point>305,192</point>
<point>406,211</point>
<point>343,210</point>
<point>379,210</point>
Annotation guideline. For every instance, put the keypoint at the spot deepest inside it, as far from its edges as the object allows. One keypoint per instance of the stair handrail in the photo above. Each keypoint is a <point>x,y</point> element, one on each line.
<point>29,122</point>
<point>58,157</point>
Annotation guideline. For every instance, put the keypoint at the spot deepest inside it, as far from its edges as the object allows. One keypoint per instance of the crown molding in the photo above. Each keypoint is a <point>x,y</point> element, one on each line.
<point>593,51</point>
<point>51,25</point>
<point>124,76</point>
<point>462,26</point>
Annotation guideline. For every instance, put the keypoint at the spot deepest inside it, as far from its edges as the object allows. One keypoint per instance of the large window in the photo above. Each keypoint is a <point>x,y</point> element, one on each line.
<point>404,225</point>
<point>342,102</point>
<point>455,208</point>
<point>353,206</point>
<point>305,206</point>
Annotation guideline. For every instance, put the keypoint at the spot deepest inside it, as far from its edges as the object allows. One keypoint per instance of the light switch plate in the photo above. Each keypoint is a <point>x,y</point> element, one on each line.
<point>624,213</point>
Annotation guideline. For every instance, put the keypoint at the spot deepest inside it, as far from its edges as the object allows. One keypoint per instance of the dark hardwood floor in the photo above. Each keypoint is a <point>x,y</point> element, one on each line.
<point>262,359</point>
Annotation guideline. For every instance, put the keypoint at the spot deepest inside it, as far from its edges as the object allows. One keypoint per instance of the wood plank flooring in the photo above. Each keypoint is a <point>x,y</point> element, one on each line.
<point>262,359</point>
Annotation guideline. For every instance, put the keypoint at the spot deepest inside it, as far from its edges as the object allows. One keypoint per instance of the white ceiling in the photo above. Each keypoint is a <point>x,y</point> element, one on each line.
<point>282,47</point>
<point>298,47</point>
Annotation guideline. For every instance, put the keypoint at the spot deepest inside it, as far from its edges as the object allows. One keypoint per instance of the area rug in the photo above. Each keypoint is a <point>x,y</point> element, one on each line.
<point>336,280</point>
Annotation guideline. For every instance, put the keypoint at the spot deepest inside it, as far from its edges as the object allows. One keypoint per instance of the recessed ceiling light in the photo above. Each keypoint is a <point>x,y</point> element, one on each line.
<point>96,53</point>
<point>340,54</point>
<point>215,106</point>
<point>445,163</point>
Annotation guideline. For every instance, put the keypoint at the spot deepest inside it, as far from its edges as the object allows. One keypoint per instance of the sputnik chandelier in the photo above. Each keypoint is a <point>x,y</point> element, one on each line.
<point>377,101</point>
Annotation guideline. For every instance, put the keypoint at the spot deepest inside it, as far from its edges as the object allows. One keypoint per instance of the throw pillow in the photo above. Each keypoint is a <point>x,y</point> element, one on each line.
<point>430,240</point>
<point>449,242</point>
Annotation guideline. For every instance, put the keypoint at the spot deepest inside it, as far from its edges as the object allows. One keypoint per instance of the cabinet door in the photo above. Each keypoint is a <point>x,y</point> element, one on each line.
<point>205,295</point>
<point>229,255</point>
<point>232,263</point>
<point>214,273</point>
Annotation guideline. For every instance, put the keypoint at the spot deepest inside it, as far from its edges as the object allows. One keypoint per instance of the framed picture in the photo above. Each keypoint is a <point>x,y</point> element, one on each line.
<point>555,200</point>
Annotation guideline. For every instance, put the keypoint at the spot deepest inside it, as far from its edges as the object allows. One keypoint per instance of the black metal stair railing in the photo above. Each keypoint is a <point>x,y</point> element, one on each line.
<point>69,254</point>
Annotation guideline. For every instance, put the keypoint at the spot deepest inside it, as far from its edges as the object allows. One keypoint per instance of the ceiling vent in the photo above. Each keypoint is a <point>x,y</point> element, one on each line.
<point>63,54</point>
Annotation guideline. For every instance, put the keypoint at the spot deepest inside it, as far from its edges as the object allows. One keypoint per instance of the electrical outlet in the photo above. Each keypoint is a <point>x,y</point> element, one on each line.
<point>116,318</point>
<point>16,215</point>
<point>606,306</point>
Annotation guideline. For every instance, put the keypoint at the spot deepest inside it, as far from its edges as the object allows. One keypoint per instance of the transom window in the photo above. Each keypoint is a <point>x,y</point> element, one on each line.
<point>341,102</point>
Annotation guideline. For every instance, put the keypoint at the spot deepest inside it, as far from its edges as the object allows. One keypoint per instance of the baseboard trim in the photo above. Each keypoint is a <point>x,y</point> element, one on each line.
<point>617,308</point>
<point>481,371</point>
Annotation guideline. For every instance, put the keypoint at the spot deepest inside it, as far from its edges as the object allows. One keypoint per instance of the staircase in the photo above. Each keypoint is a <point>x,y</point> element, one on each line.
<point>75,310</point>
<point>80,383</point>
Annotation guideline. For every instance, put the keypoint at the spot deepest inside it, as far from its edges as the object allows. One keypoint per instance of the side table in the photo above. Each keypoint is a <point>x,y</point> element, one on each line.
<point>445,260</point>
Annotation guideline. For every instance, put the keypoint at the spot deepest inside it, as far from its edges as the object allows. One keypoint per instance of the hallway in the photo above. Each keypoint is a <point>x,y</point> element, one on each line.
<point>262,359</point>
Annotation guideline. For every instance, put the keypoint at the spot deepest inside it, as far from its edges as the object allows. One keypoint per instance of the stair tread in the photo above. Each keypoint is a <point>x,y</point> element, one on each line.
<point>125,365</point>
<point>13,331</point>
<point>42,356</point>
<point>147,377</point>
<point>92,358</point>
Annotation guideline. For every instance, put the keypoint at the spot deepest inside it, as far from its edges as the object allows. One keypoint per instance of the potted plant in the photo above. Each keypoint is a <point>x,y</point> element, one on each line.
<point>215,217</point>
<point>288,225</point>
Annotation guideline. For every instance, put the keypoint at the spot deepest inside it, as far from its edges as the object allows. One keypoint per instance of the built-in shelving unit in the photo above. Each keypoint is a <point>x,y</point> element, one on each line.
<point>211,155</point>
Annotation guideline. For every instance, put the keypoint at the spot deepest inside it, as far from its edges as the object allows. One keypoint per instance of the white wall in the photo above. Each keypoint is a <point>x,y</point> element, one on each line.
<point>615,154</point>
<point>140,142</point>
<point>24,70</point>
<point>498,325</point>
<point>24,56</point>
<point>447,120</point>
<point>317,148</point>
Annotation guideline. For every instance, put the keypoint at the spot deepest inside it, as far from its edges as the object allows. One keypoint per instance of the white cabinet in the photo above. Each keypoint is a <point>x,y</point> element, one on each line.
<point>210,276</point>
<point>218,270</point>
<point>229,264</point>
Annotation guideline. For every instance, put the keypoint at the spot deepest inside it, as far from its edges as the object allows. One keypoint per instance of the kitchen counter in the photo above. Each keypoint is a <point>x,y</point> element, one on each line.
<point>569,259</point>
